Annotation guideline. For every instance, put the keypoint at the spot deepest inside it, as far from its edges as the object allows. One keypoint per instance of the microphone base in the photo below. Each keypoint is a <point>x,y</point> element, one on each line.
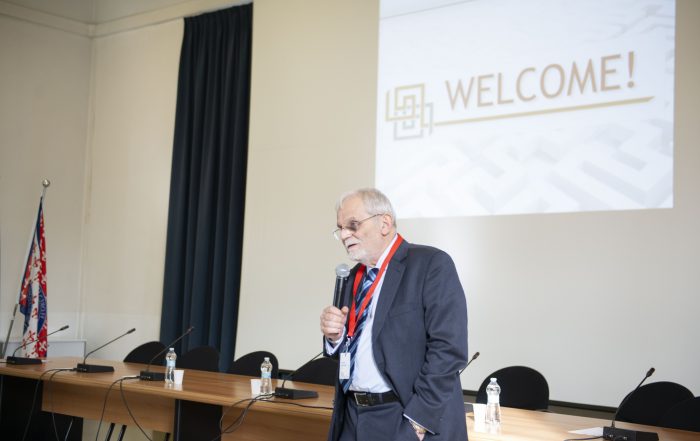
<point>152,376</point>
<point>22,360</point>
<point>294,394</point>
<point>615,434</point>
<point>93,368</point>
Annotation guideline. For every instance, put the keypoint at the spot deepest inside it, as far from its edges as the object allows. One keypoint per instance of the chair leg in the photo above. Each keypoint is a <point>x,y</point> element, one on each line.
<point>121,432</point>
<point>70,426</point>
<point>109,431</point>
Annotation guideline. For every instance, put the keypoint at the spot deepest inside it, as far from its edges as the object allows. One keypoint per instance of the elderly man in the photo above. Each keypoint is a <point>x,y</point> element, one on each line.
<point>401,335</point>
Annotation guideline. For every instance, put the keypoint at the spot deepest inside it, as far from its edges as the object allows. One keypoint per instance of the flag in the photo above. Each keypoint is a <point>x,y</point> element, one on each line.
<point>32,293</point>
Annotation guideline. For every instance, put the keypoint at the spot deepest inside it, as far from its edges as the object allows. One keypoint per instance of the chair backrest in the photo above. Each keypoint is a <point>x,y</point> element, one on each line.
<point>202,358</point>
<point>144,353</point>
<point>521,387</point>
<point>684,415</point>
<point>320,371</point>
<point>649,403</point>
<point>249,364</point>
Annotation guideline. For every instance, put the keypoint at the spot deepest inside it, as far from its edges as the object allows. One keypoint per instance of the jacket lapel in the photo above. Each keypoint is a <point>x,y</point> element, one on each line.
<point>390,287</point>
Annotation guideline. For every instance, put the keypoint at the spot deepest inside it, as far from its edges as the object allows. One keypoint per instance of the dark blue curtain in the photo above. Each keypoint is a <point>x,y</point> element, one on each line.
<point>207,188</point>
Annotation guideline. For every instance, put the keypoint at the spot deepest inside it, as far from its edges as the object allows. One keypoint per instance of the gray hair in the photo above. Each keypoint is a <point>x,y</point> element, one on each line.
<point>375,202</point>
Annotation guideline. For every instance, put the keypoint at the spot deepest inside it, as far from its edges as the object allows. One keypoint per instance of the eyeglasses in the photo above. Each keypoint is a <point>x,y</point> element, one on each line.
<point>352,227</point>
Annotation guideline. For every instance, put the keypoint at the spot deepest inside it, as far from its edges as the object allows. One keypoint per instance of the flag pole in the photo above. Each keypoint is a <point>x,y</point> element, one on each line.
<point>45,184</point>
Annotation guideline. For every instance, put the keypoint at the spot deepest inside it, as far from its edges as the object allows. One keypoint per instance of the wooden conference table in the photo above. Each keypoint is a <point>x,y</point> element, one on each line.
<point>192,411</point>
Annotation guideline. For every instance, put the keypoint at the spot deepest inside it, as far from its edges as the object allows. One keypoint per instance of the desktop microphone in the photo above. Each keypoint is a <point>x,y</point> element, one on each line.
<point>146,374</point>
<point>469,407</point>
<point>96,368</point>
<point>26,360</point>
<point>341,276</point>
<point>295,394</point>
<point>474,357</point>
<point>613,434</point>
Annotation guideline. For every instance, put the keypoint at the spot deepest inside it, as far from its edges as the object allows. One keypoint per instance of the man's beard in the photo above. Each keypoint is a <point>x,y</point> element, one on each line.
<point>357,254</point>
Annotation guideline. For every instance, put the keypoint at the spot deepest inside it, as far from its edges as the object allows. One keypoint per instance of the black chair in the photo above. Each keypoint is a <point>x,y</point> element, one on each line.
<point>684,416</point>
<point>249,364</point>
<point>521,387</point>
<point>320,371</point>
<point>648,404</point>
<point>201,358</point>
<point>143,353</point>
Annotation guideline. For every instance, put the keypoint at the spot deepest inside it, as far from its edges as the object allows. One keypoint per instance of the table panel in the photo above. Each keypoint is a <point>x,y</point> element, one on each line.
<point>152,411</point>
<point>155,406</point>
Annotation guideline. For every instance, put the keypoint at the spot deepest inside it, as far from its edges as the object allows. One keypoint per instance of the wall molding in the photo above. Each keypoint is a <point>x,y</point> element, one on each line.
<point>111,27</point>
<point>46,20</point>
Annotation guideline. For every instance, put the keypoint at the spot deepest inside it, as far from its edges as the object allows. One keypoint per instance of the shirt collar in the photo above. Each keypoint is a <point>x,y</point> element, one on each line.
<point>385,253</point>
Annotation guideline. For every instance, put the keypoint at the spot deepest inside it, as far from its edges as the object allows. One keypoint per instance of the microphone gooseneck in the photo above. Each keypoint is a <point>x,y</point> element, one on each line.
<point>94,368</point>
<point>614,434</point>
<point>291,375</point>
<point>648,374</point>
<point>111,341</point>
<point>295,394</point>
<point>146,374</point>
<point>26,360</point>
<point>474,357</point>
<point>63,328</point>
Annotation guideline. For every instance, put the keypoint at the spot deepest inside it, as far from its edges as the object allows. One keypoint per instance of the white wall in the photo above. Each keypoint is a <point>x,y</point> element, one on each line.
<point>312,137</point>
<point>96,117</point>
<point>44,89</point>
<point>91,108</point>
<point>128,185</point>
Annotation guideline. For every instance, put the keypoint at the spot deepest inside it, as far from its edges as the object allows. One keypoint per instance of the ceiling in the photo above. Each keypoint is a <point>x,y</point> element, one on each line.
<point>94,11</point>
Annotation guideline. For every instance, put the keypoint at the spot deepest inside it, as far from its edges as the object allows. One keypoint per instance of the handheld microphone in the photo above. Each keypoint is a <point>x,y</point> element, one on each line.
<point>613,434</point>
<point>26,360</point>
<point>295,394</point>
<point>96,368</point>
<point>474,357</point>
<point>146,374</point>
<point>341,276</point>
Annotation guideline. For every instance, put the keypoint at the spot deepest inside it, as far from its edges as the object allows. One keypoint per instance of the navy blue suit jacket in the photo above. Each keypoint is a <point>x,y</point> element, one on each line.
<point>419,340</point>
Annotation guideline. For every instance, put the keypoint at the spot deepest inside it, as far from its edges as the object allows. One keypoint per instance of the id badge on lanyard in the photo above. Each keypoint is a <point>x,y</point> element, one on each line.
<point>344,371</point>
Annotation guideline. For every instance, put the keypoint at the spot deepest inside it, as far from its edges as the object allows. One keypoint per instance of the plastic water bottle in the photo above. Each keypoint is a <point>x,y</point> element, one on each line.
<point>266,377</point>
<point>493,405</point>
<point>170,366</point>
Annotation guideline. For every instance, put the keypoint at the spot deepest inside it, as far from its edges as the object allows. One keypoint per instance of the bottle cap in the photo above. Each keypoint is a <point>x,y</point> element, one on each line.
<point>493,378</point>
